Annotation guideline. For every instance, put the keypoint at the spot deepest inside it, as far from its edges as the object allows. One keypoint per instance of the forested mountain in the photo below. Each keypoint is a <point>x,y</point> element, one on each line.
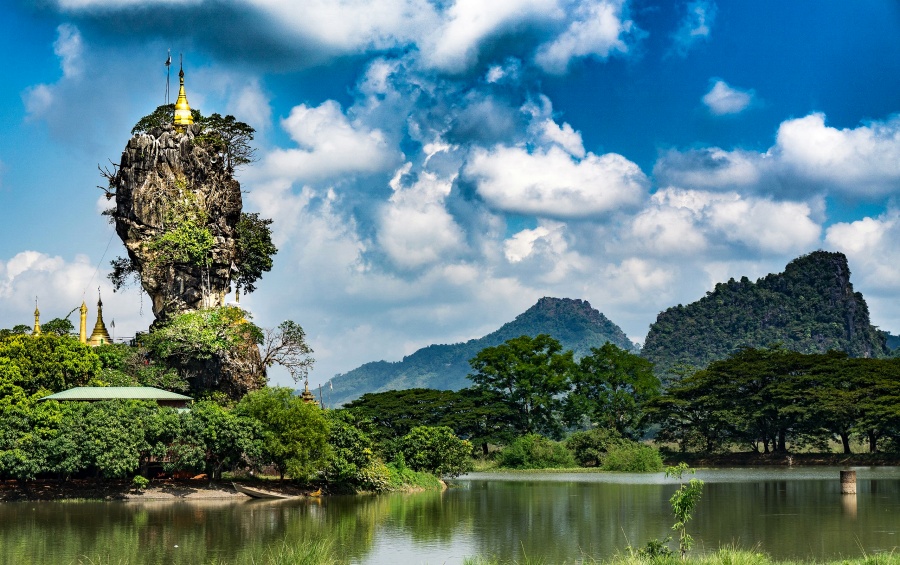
<point>573,322</point>
<point>809,308</point>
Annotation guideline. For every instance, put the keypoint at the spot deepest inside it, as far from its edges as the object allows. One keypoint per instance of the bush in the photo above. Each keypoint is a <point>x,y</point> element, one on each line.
<point>435,449</point>
<point>533,451</point>
<point>140,482</point>
<point>588,447</point>
<point>632,457</point>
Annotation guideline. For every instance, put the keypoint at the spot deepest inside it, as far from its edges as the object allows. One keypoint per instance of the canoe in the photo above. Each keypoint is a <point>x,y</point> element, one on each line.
<point>258,493</point>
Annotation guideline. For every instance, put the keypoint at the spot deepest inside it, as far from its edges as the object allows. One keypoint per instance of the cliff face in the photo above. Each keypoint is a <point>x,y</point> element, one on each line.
<point>574,323</point>
<point>165,183</point>
<point>810,308</point>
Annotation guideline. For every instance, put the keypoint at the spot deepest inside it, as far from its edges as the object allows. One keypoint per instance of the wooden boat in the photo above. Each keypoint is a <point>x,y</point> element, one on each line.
<point>258,493</point>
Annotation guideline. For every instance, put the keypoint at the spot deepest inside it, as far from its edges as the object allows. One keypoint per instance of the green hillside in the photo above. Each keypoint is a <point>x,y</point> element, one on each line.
<point>809,308</point>
<point>573,322</point>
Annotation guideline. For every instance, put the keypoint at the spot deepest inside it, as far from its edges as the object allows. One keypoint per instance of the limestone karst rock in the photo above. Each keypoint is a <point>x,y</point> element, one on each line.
<point>166,180</point>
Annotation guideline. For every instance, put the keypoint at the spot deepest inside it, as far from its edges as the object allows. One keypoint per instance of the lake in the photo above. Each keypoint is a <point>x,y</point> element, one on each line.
<point>787,512</point>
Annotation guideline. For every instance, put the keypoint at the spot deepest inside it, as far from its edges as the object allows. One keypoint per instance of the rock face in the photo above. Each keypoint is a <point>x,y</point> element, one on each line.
<point>809,308</point>
<point>163,178</point>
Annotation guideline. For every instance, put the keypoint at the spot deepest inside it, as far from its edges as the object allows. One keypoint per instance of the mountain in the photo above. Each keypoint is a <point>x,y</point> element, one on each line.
<point>810,308</point>
<point>573,322</point>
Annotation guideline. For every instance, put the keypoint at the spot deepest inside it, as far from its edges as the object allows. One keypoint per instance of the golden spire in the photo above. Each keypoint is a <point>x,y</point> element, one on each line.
<point>37,318</point>
<point>82,333</point>
<point>99,336</point>
<point>183,117</point>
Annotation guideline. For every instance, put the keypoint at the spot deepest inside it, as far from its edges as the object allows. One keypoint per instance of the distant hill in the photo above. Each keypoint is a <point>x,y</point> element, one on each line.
<point>810,307</point>
<point>573,322</point>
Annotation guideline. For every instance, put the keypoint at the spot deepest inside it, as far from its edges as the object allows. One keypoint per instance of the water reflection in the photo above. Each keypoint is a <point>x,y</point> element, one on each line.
<point>556,518</point>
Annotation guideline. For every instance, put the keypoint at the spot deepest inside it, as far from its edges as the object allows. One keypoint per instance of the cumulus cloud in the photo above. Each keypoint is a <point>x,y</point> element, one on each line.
<point>452,36</point>
<point>551,183</point>
<point>694,221</point>
<point>329,145</point>
<point>416,228</point>
<point>723,99</point>
<point>598,29</point>
<point>695,26</point>
<point>808,157</point>
<point>68,48</point>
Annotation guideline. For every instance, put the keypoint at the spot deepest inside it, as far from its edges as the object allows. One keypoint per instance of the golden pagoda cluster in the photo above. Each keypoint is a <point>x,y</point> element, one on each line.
<point>99,336</point>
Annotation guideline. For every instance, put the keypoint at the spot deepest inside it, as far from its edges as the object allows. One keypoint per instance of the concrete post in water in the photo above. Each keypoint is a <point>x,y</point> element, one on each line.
<point>848,482</point>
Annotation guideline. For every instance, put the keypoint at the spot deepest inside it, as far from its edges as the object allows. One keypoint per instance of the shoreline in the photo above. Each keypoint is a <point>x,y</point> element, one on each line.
<point>125,491</point>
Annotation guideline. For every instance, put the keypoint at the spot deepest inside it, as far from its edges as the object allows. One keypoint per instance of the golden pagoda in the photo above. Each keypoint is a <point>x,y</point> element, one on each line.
<point>82,332</point>
<point>183,116</point>
<point>307,396</point>
<point>37,319</point>
<point>99,336</point>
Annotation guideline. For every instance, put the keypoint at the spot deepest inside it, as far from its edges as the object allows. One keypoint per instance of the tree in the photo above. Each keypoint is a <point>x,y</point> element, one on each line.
<point>215,439</point>
<point>229,137</point>
<point>294,433</point>
<point>58,326</point>
<point>286,346</point>
<point>164,114</point>
<point>610,389</point>
<point>683,502</point>
<point>46,361</point>
<point>528,375</point>
<point>352,450</point>
<point>436,450</point>
<point>254,250</point>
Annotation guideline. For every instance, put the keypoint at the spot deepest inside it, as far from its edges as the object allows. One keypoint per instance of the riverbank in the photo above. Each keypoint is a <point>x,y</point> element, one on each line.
<point>170,489</point>
<point>722,557</point>
<point>751,459</point>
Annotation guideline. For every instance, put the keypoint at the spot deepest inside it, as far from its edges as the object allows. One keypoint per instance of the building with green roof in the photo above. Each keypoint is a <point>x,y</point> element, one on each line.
<point>98,393</point>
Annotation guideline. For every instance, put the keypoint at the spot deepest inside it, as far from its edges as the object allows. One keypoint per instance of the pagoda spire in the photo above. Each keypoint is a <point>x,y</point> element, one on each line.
<point>82,331</point>
<point>100,335</point>
<point>183,116</point>
<point>37,318</point>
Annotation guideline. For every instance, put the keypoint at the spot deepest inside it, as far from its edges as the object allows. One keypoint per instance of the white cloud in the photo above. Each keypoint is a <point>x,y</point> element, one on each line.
<point>692,222</point>
<point>416,228</point>
<point>695,26</point>
<point>722,99</point>
<point>68,47</point>
<point>550,183</point>
<point>808,157</point>
<point>330,145</point>
<point>596,30</point>
<point>863,161</point>
<point>564,136</point>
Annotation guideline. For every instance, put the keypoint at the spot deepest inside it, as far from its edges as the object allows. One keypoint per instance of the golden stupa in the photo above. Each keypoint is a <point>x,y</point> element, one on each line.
<point>183,116</point>
<point>99,336</point>
<point>37,319</point>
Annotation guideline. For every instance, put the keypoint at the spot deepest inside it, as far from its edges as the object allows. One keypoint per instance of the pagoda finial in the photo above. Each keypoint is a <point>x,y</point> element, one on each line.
<point>82,329</point>
<point>37,318</point>
<point>183,117</point>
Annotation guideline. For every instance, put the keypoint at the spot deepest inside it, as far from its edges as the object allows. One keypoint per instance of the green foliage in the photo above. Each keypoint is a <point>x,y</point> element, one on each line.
<point>576,325</point>
<point>683,503</point>
<point>202,333</point>
<point>294,433</point>
<point>214,439</point>
<point>58,326</point>
<point>632,457</point>
<point>533,451</point>
<point>527,375</point>
<point>254,250</point>
<point>352,452</point>
<point>588,447</point>
<point>435,450</point>
<point>610,388</point>
<point>810,308</point>
<point>164,114</point>
<point>140,482</point>
<point>48,361</point>
<point>228,137</point>
<point>286,346</point>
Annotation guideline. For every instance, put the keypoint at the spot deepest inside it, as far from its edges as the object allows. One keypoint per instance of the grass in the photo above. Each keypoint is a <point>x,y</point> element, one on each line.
<point>724,556</point>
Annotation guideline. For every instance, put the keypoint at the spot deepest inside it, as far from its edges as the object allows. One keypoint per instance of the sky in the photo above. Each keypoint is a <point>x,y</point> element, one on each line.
<point>434,167</point>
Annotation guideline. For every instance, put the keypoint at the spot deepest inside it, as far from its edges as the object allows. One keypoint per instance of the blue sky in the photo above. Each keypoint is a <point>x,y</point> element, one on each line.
<point>435,167</point>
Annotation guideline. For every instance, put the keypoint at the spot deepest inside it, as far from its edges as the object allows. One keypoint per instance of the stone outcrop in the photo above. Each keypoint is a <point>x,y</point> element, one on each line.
<point>159,172</point>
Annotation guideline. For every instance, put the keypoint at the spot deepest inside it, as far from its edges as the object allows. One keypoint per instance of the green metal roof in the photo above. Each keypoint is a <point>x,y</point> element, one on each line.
<point>116,393</point>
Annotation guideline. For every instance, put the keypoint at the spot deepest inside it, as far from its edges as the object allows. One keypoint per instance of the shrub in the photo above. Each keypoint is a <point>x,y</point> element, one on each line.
<point>140,482</point>
<point>588,447</point>
<point>533,451</point>
<point>632,457</point>
<point>435,449</point>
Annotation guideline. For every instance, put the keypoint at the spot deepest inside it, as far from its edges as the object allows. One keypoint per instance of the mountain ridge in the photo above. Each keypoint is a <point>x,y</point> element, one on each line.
<point>573,322</point>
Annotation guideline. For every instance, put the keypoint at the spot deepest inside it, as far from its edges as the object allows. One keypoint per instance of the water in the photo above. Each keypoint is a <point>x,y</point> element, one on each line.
<point>787,512</point>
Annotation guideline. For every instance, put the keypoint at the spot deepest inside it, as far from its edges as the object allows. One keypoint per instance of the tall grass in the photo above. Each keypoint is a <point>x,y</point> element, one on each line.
<point>725,556</point>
